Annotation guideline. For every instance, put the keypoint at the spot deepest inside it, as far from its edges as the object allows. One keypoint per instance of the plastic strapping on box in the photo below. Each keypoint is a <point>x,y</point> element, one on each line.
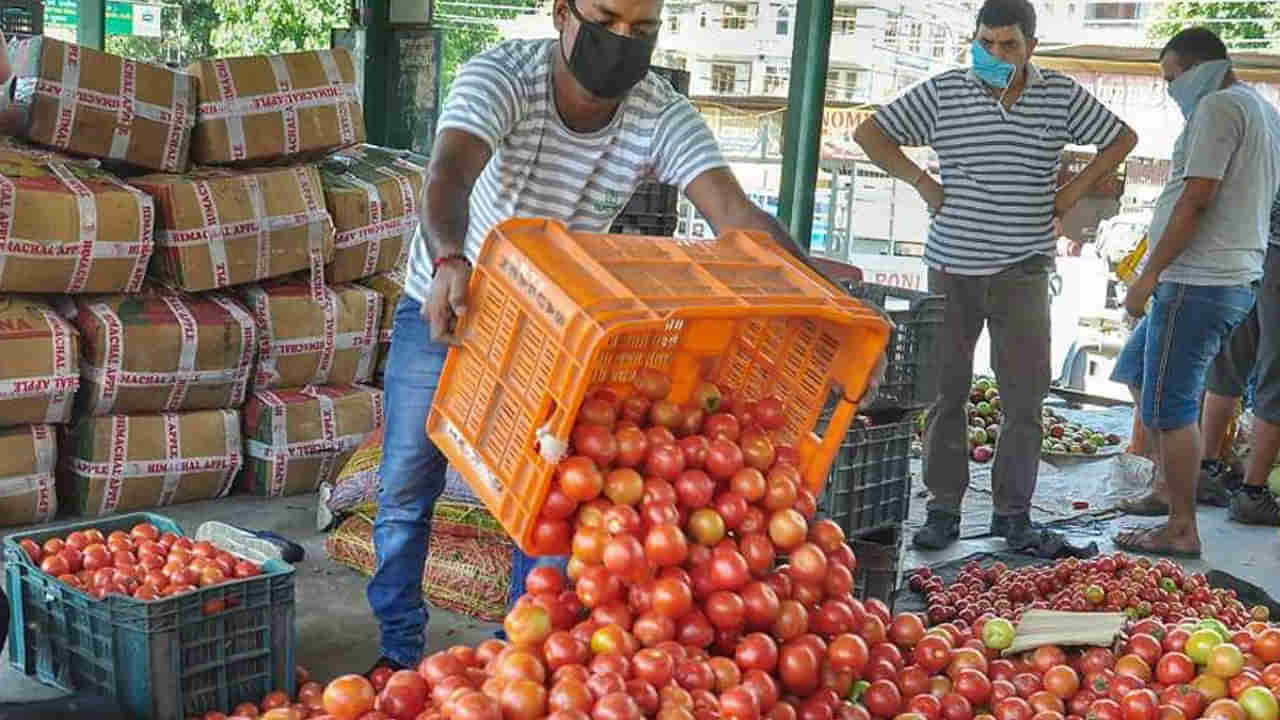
<point>88,217</point>
<point>146,232</point>
<point>409,221</point>
<point>214,238</point>
<point>182,119</point>
<point>65,382</point>
<point>253,189</point>
<point>266,373</point>
<point>115,466</point>
<point>248,339</point>
<point>172,449</point>
<point>374,233</point>
<point>41,485</point>
<point>188,332</point>
<point>288,113</point>
<point>227,95</point>
<point>125,112</point>
<point>312,199</point>
<point>8,193</point>
<point>346,125</point>
<point>67,96</point>
<point>46,450</point>
<point>113,356</point>
<point>328,345</point>
<point>277,453</point>
<point>231,426</point>
<point>328,434</point>
<point>372,316</point>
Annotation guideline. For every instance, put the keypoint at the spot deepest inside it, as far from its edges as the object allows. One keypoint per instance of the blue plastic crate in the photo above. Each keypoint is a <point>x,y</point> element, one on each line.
<point>162,660</point>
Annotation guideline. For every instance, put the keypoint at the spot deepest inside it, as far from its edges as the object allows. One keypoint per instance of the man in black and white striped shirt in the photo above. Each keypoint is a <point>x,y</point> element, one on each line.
<point>563,129</point>
<point>999,128</point>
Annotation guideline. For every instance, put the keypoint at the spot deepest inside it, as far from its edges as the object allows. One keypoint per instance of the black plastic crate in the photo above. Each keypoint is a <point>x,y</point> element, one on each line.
<point>21,18</point>
<point>910,376</point>
<point>166,659</point>
<point>679,79</point>
<point>652,210</point>
<point>879,565</point>
<point>869,487</point>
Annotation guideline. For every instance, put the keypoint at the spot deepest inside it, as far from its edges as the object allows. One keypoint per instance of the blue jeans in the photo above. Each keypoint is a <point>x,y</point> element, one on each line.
<point>412,477</point>
<point>411,480</point>
<point>1168,354</point>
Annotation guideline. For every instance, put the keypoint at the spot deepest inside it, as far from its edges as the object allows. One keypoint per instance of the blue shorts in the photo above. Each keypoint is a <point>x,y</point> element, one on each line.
<point>1168,354</point>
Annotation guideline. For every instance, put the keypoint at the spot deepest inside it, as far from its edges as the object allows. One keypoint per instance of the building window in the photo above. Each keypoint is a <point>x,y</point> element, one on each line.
<point>833,85</point>
<point>775,79</point>
<point>734,18</point>
<point>702,20</point>
<point>784,21</point>
<point>939,43</point>
<point>914,32</point>
<point>891,33</point>
<point>1113,11</point>
<point>845,21</point>
<point>724,79</point>
<point>673,23</point>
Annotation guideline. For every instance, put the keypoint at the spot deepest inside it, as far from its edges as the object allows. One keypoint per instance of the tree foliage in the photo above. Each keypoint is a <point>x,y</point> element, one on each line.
<point>470,29</point>
<point>1257,33</point>
<point>257,27</point>
<point>220,28</point>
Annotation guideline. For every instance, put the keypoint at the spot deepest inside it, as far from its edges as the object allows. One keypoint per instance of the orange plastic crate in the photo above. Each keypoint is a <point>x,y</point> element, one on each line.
<point>552,314</point>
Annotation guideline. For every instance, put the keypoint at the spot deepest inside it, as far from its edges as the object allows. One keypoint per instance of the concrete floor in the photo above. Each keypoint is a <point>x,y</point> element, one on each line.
<point>336,633</point>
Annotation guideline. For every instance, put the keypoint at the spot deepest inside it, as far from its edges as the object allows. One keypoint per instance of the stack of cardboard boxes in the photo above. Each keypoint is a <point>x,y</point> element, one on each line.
<point>179,254</point>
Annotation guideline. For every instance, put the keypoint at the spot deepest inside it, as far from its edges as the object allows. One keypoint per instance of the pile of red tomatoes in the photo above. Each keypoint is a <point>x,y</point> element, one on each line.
<point>1107,583</point>
<point>702,587</point>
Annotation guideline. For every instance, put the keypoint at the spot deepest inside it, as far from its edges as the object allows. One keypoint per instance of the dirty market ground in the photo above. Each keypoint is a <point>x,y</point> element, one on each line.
<point>336,633</point>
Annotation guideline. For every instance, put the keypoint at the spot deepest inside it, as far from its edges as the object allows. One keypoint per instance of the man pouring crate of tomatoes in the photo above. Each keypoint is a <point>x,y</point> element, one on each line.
<point>565,129</point>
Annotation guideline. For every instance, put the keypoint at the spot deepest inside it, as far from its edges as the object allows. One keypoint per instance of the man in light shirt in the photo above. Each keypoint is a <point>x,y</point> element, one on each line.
<point>1209,233</point>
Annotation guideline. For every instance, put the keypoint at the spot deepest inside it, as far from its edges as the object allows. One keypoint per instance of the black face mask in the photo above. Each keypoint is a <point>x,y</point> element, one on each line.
<point>605,63</point>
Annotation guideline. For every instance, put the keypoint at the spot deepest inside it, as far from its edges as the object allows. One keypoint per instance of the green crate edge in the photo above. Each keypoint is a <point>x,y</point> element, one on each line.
<point>138,697</point>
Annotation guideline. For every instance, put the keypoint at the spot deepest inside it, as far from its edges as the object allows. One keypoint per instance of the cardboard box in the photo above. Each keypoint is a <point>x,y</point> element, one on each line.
<point>67,227</point>
<point>223,227</point>
<point>298,438</point>
<point>39,362</point>
<point>373,196</point>
<point>164,351</point>
<point>88,102</point>
<point>390,285</point>
<point>120,463</point>
<point>28,490</point>
<point>303,342</point>
<point>263,109</point>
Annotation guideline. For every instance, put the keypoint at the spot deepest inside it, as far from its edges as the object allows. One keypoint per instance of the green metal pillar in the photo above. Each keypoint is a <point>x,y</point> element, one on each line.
<point>802,129</point>
<point>376,70</point>
<point>91,25</point>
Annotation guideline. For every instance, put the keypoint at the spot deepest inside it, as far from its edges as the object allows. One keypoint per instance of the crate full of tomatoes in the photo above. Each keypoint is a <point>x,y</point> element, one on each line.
<point>130,608</point>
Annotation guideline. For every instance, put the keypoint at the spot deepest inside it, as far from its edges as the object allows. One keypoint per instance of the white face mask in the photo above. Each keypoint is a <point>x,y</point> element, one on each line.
<point>1191,86</point>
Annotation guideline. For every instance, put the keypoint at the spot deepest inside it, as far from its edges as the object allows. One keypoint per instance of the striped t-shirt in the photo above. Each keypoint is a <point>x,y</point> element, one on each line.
<point>541,168</point>
<point>999,166</point>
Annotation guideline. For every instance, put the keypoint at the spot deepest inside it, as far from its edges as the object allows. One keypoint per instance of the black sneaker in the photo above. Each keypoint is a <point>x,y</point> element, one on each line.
<point>941,528</point>
<point>1215,484</point>
<point>1252,505</point>
<point>1022,534</point>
